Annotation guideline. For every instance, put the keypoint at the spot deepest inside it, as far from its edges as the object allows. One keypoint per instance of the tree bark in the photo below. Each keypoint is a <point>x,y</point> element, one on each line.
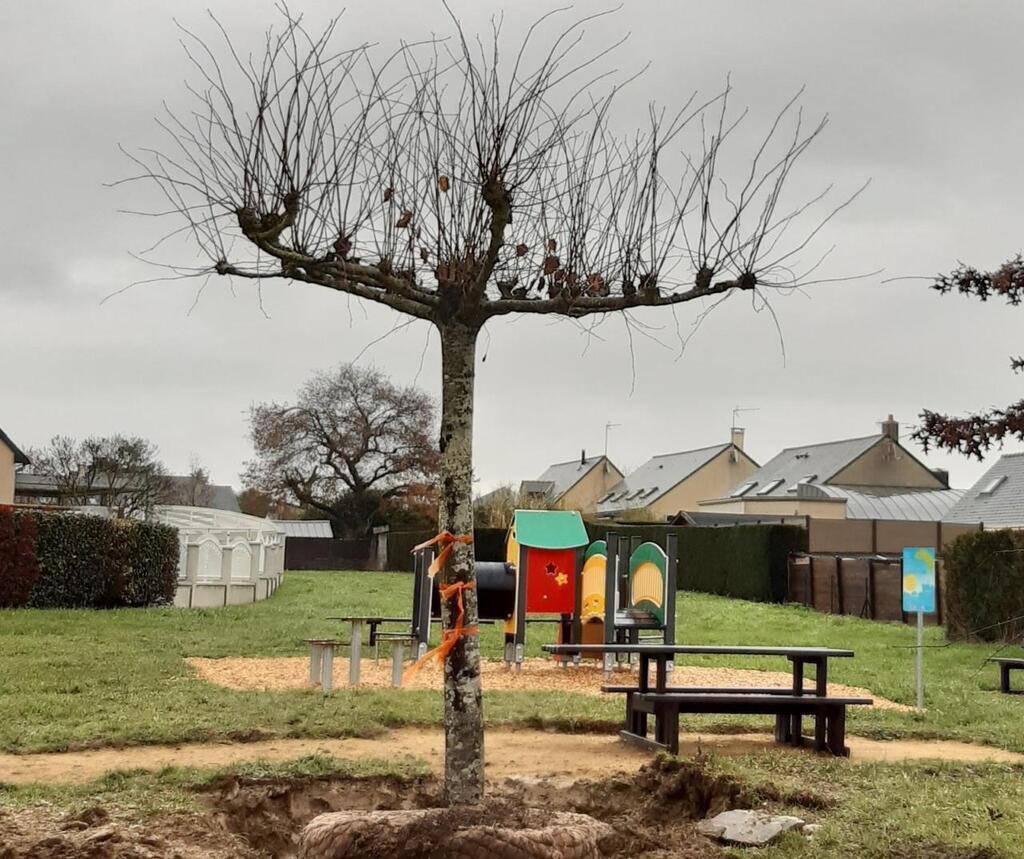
<point>463,708</point>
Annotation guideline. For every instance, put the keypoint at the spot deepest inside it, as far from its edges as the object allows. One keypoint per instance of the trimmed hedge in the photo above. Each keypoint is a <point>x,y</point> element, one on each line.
<point>748,562</point>
<point>88,562</point>
<point>985,586</point>
<point>19,569</point>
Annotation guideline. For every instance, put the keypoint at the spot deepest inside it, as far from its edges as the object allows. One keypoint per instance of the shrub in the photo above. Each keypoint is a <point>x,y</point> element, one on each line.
<point>985,586</point>
<point>87,562</point>
<point>19,570</point>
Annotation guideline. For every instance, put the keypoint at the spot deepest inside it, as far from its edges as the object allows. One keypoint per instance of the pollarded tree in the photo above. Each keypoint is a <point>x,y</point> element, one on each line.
<point>351,443</point>
<point>457,184</point>
<point>974,434</point>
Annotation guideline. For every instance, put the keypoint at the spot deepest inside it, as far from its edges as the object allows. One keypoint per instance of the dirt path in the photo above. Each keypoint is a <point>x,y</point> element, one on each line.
<point>509,752</point>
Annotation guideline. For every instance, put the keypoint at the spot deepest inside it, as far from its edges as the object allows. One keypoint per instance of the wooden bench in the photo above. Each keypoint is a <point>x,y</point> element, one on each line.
<point>1006,665</point>
<point>788,709</point>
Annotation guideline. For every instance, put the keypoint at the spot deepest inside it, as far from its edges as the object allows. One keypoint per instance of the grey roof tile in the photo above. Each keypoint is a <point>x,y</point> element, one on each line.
<point>563,476</point>
<point>1004,507</point>
<point>656,477</point>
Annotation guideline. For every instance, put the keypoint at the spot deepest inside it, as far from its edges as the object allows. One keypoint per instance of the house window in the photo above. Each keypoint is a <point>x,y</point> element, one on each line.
<point>803,481</point>
<point>770,486</point>
<point>743,489</point>
<point>650,491</point>
<point>607,497</point>
<point>993,485</point>
<point>636,495</point>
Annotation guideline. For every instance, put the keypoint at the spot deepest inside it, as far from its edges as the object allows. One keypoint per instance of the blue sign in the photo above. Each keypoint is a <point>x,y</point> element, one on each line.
<point>919,580</point>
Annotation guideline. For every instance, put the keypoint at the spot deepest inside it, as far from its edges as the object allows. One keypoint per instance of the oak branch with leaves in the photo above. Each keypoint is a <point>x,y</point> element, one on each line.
<point>454,182</point>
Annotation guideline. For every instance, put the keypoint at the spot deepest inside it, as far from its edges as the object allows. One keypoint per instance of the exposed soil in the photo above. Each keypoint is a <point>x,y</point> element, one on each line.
<point>292,672</point>
<point>651,813</point>
<point>509,753</point>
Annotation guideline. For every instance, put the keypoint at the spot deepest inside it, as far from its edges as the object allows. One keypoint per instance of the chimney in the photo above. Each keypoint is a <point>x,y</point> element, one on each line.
<point>891,429</point>
<point>737,437</point>
<point>583,456</point>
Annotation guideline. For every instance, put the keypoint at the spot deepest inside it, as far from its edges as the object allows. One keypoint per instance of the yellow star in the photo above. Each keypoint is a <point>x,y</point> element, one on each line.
<point>561,579</point>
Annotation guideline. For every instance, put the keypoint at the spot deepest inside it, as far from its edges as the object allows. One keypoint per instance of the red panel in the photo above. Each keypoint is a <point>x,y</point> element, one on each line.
<point>550,581</point>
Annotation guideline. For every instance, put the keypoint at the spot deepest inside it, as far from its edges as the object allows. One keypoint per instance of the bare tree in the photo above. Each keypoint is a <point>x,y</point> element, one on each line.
<point>192,489</point>
<point>974,434</point>
<point>117,472</point>
<point>352,442</point>
<point>455,183</point>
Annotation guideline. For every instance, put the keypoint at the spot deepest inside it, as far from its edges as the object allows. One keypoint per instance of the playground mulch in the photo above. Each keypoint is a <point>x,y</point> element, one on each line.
<point>536,675</point>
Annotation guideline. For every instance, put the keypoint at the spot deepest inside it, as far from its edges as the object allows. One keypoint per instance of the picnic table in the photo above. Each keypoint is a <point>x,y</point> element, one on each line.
<point>372,621</point>
<point>1006,665</point>
<point>665,703</point>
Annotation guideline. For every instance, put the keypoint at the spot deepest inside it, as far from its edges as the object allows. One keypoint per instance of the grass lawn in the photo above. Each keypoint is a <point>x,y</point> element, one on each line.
<point>85,678</point>
<point>80,678</point>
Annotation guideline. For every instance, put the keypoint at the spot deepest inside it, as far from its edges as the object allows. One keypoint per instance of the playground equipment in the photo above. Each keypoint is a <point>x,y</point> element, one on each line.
<point>617,590</point>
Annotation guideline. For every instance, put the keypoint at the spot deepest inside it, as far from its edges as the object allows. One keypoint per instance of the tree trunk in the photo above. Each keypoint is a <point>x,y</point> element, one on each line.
<point>463,708</point>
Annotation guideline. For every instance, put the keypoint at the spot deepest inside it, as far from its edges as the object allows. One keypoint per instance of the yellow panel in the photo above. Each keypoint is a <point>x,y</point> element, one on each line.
<point>647,585</point>
<point>593,588</point>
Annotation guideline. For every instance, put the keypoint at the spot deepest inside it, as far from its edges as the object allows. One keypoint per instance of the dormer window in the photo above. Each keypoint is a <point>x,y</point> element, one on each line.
<point>803,481</point>
<point>993,485</point>
<point>743,489</point>
<point>771,486</point>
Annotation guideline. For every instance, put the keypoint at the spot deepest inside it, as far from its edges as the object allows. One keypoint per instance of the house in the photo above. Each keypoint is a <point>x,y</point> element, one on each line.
<point>575,485</point>
<point>997,499</point>
<point>10,458</point>
<point>871,477</point>
<point>673,482</point>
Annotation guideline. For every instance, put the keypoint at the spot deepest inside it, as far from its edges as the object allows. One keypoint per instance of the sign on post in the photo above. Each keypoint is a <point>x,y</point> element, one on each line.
<point>919,595</point>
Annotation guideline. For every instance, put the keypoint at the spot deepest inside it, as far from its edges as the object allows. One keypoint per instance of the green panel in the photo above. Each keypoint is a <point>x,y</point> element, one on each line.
<point>598,547</point>
<point>650,553</point>
<point>550,529</point>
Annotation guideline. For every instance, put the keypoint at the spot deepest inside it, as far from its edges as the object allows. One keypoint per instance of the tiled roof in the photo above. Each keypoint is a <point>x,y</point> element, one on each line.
<point>655,477</point>
<point>563,476</point>
<point>1003,506</point>
<point>793,464</point>
<point>19,457</point>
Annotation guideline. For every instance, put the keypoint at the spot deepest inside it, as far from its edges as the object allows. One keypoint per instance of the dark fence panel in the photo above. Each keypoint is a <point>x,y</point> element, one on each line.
<point>321,553</point>
<point>488,545</point>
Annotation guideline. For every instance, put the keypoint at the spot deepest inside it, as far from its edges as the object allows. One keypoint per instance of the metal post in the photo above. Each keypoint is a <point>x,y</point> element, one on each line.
<point>397,657</point>
<point>920,660</point>
<point>327,669</point>
<point>355,651</point>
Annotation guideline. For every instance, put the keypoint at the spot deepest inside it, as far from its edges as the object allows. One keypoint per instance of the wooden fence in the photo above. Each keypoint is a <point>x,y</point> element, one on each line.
<point>867,587</point>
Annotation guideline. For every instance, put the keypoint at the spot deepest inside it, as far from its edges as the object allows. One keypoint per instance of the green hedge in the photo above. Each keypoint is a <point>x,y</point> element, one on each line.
<point>985,586</point>
<point>745,561</point>
<point>19,568</point>
<point>89,562</point>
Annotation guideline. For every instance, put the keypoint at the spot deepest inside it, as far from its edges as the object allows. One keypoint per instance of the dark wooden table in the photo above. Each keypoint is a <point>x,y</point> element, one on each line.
<point>663,654</point>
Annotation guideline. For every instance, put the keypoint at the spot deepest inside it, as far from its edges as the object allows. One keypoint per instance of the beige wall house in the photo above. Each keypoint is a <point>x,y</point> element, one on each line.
<point>869,477</point>
<point>673,482</point>
<point>575,485</point>
<point>10,458</point>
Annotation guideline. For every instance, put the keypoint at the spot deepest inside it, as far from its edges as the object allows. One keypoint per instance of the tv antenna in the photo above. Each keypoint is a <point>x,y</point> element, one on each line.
<point>607,427</point>
<point>739,409</point>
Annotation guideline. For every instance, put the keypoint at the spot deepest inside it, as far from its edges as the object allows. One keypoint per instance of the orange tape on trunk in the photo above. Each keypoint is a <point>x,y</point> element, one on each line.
<point>449,637</point>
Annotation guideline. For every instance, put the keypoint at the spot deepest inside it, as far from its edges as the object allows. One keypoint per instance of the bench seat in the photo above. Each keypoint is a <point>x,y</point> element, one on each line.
<point>829,714</point>
<point>1006,665</point>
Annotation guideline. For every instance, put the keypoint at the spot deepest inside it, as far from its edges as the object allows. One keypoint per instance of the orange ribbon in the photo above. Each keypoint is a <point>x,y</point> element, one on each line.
<point>449,637</point>
<point>447,541</point>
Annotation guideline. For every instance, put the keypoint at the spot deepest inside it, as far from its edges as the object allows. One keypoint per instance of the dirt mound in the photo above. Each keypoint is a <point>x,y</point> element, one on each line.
<point>651,813</point>
<point>94,834</point>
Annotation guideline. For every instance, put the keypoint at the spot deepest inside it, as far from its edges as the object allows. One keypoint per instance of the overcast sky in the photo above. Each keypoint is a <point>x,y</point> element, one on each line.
<point>924,98</point>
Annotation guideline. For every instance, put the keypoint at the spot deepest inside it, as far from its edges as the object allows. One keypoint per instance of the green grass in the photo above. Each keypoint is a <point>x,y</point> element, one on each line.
<point>73,679</point>
<point>85,678</point>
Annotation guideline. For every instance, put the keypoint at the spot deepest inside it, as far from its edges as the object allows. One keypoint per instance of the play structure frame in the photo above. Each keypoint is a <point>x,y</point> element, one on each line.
<point>635,599</point>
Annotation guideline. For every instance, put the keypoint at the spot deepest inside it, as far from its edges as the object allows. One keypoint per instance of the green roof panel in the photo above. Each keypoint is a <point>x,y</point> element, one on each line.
<point>550,529</point>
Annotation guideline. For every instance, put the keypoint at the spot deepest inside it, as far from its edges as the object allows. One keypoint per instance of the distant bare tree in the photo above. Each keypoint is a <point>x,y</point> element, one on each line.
<point>456,183</point>
<point>495,509</point>
<point>118,472</point>
<point>192,489</point>
<point>974,434</point>
<point>351,442</point>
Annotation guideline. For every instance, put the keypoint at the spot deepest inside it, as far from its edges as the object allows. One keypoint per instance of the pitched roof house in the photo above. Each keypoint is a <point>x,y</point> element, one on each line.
<point>10,457</point>
<point>673,482</point>
<point>997,499</point>
<point>871,477</point>
<point>577,484</point>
